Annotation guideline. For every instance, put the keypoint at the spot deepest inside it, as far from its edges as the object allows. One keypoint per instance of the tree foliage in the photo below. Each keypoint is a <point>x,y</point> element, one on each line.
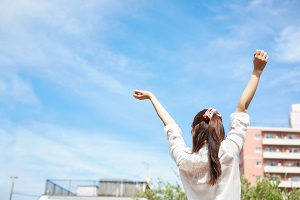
<point>163,190</point>
<point>265,189</point>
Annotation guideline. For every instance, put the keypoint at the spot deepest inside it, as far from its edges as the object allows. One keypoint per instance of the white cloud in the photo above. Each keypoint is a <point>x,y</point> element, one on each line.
<point>35,151</point>
<point>286,79</point>
<point>14,89</point>
<point>59,54</point>
<point>287,45</point>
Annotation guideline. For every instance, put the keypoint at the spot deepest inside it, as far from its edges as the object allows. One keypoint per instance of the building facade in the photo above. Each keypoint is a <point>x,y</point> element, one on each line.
<point>274,152</point>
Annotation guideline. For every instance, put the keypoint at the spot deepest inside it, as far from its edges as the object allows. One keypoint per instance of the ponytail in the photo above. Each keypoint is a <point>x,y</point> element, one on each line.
<point>213,133</point>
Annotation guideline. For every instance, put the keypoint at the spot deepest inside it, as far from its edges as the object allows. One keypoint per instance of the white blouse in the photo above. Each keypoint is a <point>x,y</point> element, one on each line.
<point>194,168</point>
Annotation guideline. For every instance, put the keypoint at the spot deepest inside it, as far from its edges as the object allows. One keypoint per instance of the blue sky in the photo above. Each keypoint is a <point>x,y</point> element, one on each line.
<point>69,68</point>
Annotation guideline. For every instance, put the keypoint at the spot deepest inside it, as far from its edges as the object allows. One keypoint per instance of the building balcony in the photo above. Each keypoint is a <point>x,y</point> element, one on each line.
<point>289,184</point>
<point>282,169</point>
<point>285,142</point>
<point>281,155</point>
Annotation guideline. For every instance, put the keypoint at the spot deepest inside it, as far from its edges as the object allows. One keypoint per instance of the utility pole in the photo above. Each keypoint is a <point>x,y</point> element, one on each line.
<point>12,186</point>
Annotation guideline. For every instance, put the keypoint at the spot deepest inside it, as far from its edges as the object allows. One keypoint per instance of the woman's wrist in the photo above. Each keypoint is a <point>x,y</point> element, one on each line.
<point>257,73</point>
<point>151,96</point>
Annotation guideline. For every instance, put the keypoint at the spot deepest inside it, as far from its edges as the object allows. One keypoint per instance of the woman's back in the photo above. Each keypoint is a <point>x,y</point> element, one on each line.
<point>194,167</point>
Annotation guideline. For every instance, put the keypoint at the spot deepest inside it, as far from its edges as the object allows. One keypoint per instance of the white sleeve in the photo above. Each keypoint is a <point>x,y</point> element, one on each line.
<point>177,145</point>
<point>237,133</point>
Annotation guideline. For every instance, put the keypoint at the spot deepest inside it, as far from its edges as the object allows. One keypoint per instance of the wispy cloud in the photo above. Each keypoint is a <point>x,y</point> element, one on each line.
<point>287,45</point>
<point>285,78</point>
<point>49,151</point>
<point>63,52</point>
<point>14,89</point>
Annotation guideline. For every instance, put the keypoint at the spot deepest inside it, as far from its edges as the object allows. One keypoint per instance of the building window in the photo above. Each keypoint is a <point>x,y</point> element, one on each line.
<point>257,136</point>
<point>293,164</point>
<point>258,164</point>
<point>295,150</point>
<point>271,163</point>
<point>295,178</point>
<point>275,177</point>
<point>270,136</point>
<point>257,150</point>
<point>270,149</point>
<point>293,137</point>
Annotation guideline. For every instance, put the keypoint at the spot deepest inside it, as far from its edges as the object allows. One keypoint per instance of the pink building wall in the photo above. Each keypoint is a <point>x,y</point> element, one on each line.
<point>252,156</point>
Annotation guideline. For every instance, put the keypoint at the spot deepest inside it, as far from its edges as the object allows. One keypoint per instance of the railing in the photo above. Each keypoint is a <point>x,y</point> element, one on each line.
<point>289,184</point>
<point>120,188</point>
<point>281,155</point>
<point>277,141</point>
<point>66,187</point>
<point>54,189</point>
<point>282,169</point>
<point>104,187</point>
<point>269,124</point>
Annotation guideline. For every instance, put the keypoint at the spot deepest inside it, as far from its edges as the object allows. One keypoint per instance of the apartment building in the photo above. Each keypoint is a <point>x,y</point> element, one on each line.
<point>274,151</point>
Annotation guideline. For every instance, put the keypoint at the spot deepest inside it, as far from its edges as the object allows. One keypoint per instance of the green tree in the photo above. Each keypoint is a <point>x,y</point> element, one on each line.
<point>265,189</point>
<point>163,190</point>
<point>293,195</point>
<point>245,189</point>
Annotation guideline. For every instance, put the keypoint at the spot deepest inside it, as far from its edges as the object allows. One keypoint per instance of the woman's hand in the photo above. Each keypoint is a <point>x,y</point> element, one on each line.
<point>259,61</point>
<point>142,95</point>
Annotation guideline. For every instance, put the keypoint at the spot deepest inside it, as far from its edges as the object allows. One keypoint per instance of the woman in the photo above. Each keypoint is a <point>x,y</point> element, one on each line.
<point>210,169</point>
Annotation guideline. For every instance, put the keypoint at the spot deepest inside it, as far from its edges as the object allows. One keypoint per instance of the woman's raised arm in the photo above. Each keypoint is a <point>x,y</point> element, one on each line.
<point>260,60</point>
<point>160,110</point>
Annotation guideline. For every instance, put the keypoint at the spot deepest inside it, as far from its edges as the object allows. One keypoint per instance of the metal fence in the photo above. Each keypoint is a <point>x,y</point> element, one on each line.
<point>102,187</point>
<point>65,187</point>
<point>120,188</point>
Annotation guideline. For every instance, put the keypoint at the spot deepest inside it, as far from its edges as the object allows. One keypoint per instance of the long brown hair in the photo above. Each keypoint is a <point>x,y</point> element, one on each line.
<point>212,132</point>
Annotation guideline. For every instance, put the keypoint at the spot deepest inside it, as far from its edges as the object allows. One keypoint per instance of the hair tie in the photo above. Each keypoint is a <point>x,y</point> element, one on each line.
<point>209,113</point>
